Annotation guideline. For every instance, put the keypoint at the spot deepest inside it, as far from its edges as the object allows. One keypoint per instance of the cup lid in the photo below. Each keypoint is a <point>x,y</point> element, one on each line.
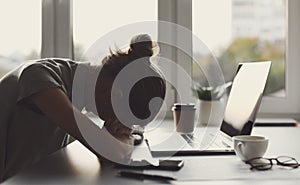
<point>178,106</point>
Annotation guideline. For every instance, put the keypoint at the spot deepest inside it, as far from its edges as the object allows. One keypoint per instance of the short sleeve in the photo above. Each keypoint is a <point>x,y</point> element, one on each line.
<point>36,78</point>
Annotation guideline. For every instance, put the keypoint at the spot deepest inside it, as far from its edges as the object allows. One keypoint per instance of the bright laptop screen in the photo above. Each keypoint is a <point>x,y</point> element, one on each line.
<point>245,97</point>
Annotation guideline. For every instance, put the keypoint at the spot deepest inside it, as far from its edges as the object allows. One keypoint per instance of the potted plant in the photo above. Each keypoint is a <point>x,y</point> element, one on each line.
<point>211,103</point>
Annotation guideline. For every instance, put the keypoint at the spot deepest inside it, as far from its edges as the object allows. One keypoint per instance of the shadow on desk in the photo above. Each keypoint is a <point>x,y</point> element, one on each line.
<point>64,164</point>
<point>73,164</point>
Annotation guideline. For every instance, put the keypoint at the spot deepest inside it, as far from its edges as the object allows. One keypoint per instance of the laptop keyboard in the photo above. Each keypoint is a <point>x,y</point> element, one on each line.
<point>191,140</point>
<point>195,142</point>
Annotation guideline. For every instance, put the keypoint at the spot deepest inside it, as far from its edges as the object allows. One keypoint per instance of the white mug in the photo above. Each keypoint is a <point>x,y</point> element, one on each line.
<point>248,147</point>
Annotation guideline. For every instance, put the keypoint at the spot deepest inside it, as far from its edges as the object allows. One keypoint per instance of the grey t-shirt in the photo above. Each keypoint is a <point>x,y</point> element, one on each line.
<point>26,134</point>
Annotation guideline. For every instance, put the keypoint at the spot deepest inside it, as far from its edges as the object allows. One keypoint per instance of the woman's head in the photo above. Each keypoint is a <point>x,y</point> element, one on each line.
<point>142,92</point>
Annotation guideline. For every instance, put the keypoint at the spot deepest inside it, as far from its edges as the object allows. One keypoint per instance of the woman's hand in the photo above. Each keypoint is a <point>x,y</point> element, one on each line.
<point>115,127</point>
<point>126,135</point>
<point>120,132</point>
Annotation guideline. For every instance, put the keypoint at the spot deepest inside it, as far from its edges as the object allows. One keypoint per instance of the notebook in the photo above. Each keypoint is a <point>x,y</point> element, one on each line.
<point>240,113</point>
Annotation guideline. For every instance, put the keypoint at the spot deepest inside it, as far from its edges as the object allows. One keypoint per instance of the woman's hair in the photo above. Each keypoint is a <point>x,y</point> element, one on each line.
<point>144,90</point>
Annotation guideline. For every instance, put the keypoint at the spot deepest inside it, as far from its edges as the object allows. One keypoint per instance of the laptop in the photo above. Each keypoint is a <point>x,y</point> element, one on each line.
<point>240,113</point>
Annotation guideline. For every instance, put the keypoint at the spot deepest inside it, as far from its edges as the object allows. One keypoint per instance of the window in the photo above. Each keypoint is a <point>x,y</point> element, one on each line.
<point>252,30</point>
<point>20,33</point>
<point>242,31</point>
<point>94,18</point>
<point>220,24</point>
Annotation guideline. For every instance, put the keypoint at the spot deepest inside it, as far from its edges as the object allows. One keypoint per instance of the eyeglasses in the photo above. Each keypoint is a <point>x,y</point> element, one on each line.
<point>260,163</point>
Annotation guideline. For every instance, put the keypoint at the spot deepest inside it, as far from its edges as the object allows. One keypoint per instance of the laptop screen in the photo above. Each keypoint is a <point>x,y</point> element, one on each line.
<point>245,97</point>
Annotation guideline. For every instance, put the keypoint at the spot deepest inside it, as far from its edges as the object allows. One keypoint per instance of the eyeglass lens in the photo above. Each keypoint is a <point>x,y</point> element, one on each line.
<point>287,161</point>
<point>260,163</point>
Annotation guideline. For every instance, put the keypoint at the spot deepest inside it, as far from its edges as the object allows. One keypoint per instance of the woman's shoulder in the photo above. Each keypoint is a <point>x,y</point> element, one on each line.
<point>52,65</point>
<point>56,62</point>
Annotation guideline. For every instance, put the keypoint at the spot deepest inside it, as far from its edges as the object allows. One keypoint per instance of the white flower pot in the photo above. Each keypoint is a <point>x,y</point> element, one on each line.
<point>210,113</point>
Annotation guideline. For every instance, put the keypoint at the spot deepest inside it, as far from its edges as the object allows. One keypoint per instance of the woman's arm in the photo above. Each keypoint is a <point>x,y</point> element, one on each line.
<point>56,105</point>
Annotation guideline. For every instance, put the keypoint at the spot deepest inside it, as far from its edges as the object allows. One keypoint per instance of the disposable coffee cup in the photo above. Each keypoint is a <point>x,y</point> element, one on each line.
<point>248,147</point>
<point>184,117</point>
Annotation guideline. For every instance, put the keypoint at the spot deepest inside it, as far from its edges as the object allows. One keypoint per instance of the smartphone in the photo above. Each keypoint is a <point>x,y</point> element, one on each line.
<point>172,165</point>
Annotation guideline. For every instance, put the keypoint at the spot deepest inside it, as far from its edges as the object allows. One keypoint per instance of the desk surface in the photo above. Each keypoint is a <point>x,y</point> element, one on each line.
<point>76,165</point>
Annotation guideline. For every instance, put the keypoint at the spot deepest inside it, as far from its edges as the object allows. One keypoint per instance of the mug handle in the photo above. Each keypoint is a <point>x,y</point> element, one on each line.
<point>239,148</point>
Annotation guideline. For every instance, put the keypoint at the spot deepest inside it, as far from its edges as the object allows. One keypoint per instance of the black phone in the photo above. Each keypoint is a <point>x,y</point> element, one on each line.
<point>169,164</point>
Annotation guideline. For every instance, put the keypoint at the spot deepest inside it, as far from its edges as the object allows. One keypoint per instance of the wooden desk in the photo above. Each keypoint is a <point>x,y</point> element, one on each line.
<point>76,165</point>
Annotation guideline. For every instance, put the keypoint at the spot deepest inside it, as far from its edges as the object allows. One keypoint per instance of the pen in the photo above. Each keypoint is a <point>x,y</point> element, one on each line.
<point>147,143</point>
<point>276,124</point>
<point>142,176</point>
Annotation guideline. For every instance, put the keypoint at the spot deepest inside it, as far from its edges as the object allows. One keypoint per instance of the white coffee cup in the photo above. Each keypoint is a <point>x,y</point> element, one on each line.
<point>248,147</point>
<point>184,117</point>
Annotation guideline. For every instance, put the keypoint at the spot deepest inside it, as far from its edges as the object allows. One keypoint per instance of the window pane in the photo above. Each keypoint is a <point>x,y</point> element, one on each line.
<point>94,18</point>
<point>243,31</point>
<point>20,33</point>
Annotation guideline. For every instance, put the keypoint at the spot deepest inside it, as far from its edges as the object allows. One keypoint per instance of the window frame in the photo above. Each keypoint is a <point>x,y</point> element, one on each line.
<point>57,29</point>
